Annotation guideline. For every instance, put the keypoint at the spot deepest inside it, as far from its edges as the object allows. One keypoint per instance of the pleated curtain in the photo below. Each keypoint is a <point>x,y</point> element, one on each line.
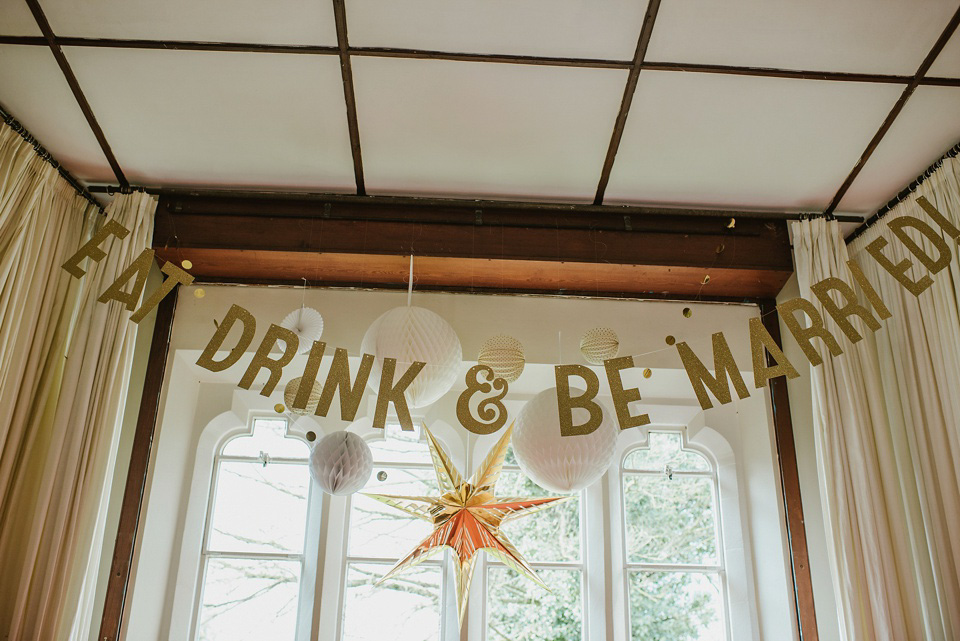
<point>64,368</point>
<point>887,423</point>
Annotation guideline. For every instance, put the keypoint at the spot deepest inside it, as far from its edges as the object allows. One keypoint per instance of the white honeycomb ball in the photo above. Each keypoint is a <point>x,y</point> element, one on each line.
<point>561,463</point>
<point>290,395</point>
<point>341,463</point>
<point>504,355</point>
<point>411,334</point>
<point>599,344</point>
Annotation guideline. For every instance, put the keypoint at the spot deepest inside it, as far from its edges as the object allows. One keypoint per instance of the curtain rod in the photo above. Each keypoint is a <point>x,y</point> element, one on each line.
<point>46,156</point>
<point>904,194</point>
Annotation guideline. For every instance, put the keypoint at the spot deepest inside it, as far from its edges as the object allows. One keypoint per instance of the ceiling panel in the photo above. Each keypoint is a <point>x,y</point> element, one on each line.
<point>491,130</point>
<point>220,119</point>
<point>575,28</point>
<point>744,141</point>
<point>33,89</point>
<point>867,36</point>
<point>947,64</point>
<point>16,19</point>
<point>924,130</point>
<point>274,22</point>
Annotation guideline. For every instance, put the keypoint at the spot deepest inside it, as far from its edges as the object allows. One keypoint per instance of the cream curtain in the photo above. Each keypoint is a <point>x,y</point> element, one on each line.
<point>887,421</point>
<point>64,368</point>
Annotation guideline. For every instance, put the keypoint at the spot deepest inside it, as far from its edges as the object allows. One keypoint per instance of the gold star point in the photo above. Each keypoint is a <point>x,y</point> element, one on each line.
<point>466,517</point>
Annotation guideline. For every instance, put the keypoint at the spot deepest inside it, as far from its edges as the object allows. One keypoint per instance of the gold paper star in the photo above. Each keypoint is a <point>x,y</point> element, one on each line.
<point>466,517</point>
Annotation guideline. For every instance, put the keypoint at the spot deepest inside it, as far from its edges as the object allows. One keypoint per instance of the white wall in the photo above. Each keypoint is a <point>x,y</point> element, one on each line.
<point>549,328</point>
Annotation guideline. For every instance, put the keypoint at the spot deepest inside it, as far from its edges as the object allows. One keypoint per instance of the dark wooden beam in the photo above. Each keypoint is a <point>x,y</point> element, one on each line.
<point>895,111</point>
<point>119,580</point>
<point>790,484</point>
<point>428,54</point>
<point>550,61</point>
<point>769,72</point>
<point>253,201</point>
<point>285,240</point>
<point>346,72</point>
<point>646,31</point>
<point>51,40</point>
<point>194,45</point>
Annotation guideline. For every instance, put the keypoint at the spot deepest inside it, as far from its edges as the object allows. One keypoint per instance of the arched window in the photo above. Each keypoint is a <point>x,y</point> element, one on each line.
<point>551,542</point>
<point>410,607</point>
<point>675,579</point>
<point>252,558</point>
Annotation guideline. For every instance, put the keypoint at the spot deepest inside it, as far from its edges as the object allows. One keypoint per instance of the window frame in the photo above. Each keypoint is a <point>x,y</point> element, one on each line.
<point>191,575</point>
<point>741,604</point>
<point>631,567</point>
<point>333,577</point>
<point>478,607</point>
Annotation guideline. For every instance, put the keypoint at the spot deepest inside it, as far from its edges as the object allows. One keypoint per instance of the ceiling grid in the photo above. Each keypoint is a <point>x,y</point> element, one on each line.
<point>571,40</point>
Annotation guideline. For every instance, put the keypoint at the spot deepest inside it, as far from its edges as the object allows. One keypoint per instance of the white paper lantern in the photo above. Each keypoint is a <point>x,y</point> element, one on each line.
<point>504,355</point>
<point>599,344</point>
<point>561,463</point>
<point>307,324</point>
<point>411,334</point>
<point>341,463</point>
<point>290,395</point>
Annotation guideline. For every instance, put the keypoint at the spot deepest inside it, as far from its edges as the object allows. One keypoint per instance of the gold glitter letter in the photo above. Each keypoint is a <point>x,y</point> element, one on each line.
<point>262,360</point>
<point>899,270</point>
<point>725,368</point>
<point>309,376</point>
<point>565,403</point>
<point>940,219</point>
<point>234,314</point>
<point>841,314</point>
<point>393,393</point>
<point>873,296</point>
<point>760,340</point>
<point>621,397</point>
<point>339,378</point>
<point>804,335</point>
<point>175,275</point>
<point>139,268</point>
<point>92,249</point>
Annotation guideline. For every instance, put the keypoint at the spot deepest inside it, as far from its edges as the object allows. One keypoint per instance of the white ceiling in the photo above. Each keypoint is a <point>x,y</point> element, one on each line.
<point>566,28</point>
<point>866,36</point>
<point>197,117</point>
<point>488,129</point>
<point>463,128</point>
<point>728,140</point>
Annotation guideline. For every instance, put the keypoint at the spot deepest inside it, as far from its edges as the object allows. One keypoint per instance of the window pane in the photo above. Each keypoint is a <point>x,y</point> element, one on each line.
<point>664,449</point>
<point>269,436</point>
<point>520,610</point>
<point>400,447</point>
<point>406,608</point>
<point>246,600</point>
<point>676,606</point>
<point>260,509</point>
<point>670,521</point>
<point>379,530</point>
<point>549,535</point>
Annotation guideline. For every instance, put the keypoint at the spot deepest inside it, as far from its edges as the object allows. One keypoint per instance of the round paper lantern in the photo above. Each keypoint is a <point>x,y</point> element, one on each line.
<point>307,324</point>
<point>560,463</point>
<point>599,344</point>
<point>411,334</point>
<point>341,463</point>
<point>290,394</point>
<point>504,355</point>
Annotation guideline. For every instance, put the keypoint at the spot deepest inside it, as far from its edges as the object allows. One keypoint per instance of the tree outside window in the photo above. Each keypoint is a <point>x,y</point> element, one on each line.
<point>675,574</point>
